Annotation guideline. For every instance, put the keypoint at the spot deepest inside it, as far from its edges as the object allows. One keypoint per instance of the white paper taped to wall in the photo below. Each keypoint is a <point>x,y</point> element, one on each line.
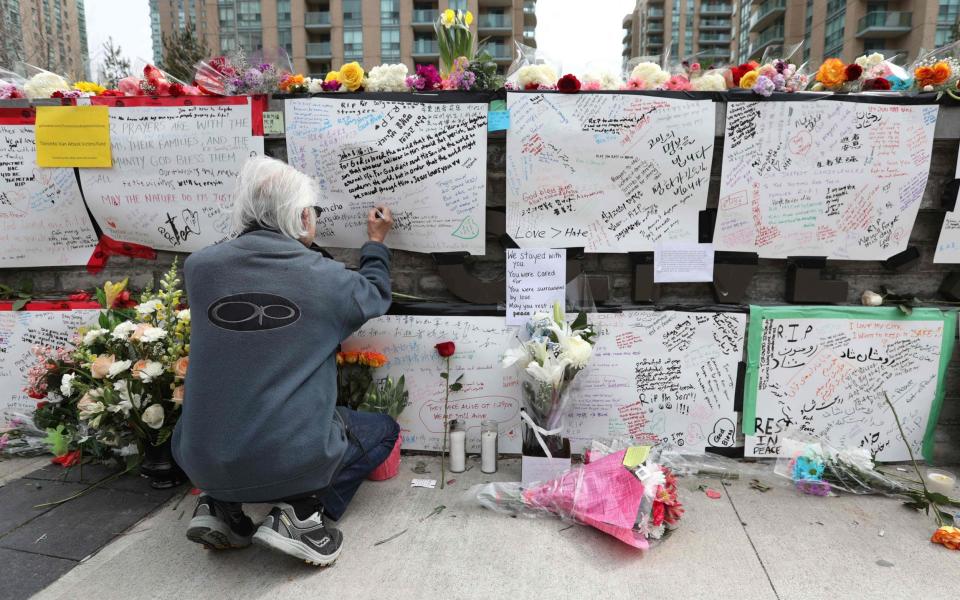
<point>607,172</point>
<point>426,161</point>
<point>42,218</point>
<point>173,176</point>
<point>842,180</point>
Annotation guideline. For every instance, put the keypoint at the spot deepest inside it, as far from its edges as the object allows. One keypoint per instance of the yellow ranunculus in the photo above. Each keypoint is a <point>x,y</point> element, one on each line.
<point>332,76</point>
<point>113,290</point>
<point>448,18</point>
<point>468,18</point>
<point>89,87</point>
<point>351,76</point>
<point>749,78</point>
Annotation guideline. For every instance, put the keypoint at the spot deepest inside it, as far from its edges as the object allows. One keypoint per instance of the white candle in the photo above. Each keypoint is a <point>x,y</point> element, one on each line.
<point>940,482</point>
<point>488,451</point>
<point>458,451</point>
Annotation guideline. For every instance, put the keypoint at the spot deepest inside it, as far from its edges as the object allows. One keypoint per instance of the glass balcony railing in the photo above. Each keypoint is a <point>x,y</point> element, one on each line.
<point>318,49</point>
<point>499,51</point>
<point>714,38</point>
<point>716,9</point>
<point>425,16</point>
<point>769,36</point>
<point>494,22</point>
<point>425,47</point>
<point>715,24</point>
<point>530,8</point>
<point>655,13</point>
<point>317,18</point>
<point>767,11</point>
<point>885,22</point>
<point>655,27</point>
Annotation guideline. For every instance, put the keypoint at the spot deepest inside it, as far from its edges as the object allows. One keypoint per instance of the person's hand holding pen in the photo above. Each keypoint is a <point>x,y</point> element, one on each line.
<point>379,223</point>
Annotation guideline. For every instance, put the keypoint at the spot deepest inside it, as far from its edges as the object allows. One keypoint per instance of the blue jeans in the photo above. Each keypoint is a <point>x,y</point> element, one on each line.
<point>370,439</point>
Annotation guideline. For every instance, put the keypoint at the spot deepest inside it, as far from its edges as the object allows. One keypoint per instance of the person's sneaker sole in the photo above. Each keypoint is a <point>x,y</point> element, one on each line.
<point>269,538</point>
<point>207,531</point>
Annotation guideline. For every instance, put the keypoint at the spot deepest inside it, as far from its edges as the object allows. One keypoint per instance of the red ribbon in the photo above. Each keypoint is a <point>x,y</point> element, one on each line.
<point>108,247</point>
<point>43,305</point>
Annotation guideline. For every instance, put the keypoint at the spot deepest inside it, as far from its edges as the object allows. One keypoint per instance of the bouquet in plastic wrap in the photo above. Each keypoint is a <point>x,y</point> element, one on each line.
<point>532,70</point>
<point>237,75</point>
<point>155,82</point>
<point>623,494</point>
<point>938,71</point>
<point>882,73</point>
<point>554,352</point>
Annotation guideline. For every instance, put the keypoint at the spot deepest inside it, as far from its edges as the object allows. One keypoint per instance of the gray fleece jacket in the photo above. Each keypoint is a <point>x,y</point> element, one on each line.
<point>259,418</point>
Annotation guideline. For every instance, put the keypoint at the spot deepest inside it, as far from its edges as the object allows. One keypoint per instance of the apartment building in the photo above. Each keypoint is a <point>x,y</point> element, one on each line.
<point>845,28</point>
<point>50,34</point>
<point>323,34</point>
<point>686,29</point>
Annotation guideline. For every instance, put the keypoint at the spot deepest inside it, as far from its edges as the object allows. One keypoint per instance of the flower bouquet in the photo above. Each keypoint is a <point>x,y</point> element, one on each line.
<point>44,84</point>
<point>154,82</point>
<point>454,38</point>
<point>881,74</point>
<point>11,85</point>
<point>532,70</point>
<point>938,71</point>
<point>648,75</point>
<point>636,502</point>
<point>236,75</point>
<point>548,362</point>
<point>387,78</point>
<point>119,388</point>
<point>355,376</point>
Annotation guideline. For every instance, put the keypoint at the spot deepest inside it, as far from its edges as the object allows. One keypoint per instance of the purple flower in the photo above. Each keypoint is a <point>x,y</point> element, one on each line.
<point>264,67</point>
<point>813,487</point>
<point>780,65</point>
<point>330,86</point>
<point>779,82</point>
<point>764,86</point>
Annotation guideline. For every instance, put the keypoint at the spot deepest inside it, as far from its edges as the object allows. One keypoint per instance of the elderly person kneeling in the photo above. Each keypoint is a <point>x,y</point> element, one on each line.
<point>260,421</point>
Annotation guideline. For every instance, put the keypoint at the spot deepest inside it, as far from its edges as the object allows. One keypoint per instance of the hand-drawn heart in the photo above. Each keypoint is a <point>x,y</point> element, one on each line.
<point>191,220</point>
<point>467,230</point>
<point>112,223</point>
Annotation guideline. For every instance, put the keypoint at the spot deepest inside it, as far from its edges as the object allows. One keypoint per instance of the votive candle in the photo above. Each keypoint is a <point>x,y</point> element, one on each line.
<point>458,447</point>
<point>488,446</point>
<point>940,481</point>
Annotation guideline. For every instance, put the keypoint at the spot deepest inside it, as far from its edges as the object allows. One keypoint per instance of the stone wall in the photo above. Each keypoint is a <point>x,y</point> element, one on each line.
<point>417,274</point>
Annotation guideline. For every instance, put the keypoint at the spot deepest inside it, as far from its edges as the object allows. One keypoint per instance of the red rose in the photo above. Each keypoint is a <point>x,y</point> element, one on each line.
<point>854,71</point>
<point>79,296</point>
<point>659,510</point>
<point>123,300</point>
<point>41,404</point>
<point>67,460</point>
<point>532,86</point>
<point>176,89</point>
<point>879,83</point>
<point>36,395</point>
<point>57,94</point>
<point>739,71</point>
<point>445,349</point>
<point>568,84</point>
<point>111,93</point>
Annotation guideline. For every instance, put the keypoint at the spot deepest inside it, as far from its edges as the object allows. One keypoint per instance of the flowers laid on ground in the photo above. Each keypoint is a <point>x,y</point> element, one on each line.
<point>554,352</point>
<point>387,78</point>
<point>119,387</point>
<point>454,38</point>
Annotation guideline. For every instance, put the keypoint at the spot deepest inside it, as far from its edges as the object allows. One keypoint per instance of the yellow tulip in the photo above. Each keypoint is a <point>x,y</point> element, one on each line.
<point>332,76</point>
<point>448,18</point>
<point>112,290</point>
<point>468,19</point>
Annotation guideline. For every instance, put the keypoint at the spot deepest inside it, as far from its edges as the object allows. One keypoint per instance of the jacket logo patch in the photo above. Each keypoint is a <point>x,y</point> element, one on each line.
<point>253,312</point>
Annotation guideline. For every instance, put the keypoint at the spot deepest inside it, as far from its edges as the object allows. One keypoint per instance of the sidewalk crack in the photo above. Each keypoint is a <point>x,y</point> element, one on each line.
<point>752,545</point>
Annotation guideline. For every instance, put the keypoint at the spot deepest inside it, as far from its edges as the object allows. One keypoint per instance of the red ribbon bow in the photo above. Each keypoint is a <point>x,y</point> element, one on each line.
<point>108,247</point>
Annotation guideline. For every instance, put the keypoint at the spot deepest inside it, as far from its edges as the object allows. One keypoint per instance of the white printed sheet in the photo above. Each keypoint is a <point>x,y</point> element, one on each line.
<point>43,221</point>
<point>426,161</point>
<point>173,176</point>
<point>842,180</point>
<point>607,172</point>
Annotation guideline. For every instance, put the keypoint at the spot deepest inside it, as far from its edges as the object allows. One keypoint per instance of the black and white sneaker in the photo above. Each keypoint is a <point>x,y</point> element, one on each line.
<point>309,540</point>
<point>218,525</point>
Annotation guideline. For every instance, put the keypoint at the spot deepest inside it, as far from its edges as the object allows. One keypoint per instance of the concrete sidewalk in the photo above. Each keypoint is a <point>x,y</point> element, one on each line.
<point>745,545</point>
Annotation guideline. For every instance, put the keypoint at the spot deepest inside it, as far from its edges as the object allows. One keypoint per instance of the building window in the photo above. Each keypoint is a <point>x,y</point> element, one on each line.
<point>833,29</point>
<point>228,43</point>
<point>285,39</point>
<point>390,45</point>
<point>675,28</point>
<point>458,4</point>
<point>283,13</point>
<point>248,14</point>
<point>250,41</point>
<point>808,29</point>
<point>352,44</point>
<point>228,18</point>
<point>351,13</point>
<point>389,12</point>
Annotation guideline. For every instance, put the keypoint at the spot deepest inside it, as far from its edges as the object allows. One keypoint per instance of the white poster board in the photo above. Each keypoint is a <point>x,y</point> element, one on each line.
<point>174,171</point>
<point>660,376</point>
<point>606,172</point>
<point>426,161</point>
<point>19,332</point>
<point>43,221</point>
<point>842,180</point>
<point>826,375</point>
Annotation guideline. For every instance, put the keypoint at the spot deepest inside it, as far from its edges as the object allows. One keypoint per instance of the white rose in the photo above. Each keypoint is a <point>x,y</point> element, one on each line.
<point>709,82</point>
<point>184,315</point>
<point>576,350</point>
<point>551,372</point>
<point>123,330</point>
<point>149,307</point>
<point>871,299</point>
<point>153,334</point>
<point>650,73</point>
<point>387,78</point>
<point>542,75</point>
<point>315,85</point>
<point>151,371</point>
<point>93,335</point>
<point>153,416</point>
<point>118,367</point>
<point>868,61</point>
<point>66,384</point>
<point>43,85</point>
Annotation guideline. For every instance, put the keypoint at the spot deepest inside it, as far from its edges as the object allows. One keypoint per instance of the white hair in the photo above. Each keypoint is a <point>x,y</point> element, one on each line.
<point>272,194</point>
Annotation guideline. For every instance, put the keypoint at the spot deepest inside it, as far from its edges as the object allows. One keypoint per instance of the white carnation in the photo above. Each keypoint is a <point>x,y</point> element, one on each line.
<point>118,367</point>
<point>93,335</point>
<point>315,85</point>
<point>66,384</point>
<point>153,334</point>
<point>607,79</point>
<point>151,371</point>
<point>43,85</point>
<point>709,82</point>
<point>576,350</point>
<point>153,416</point>
<point>650,73</point>
<point>869,61</point>
<point>123,330</point>
<point>542,75</point>
<point>149,307</point>
<point>387,78</point>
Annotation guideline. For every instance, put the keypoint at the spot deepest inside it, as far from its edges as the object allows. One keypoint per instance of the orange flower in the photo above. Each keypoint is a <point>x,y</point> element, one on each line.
<point>180,367</point>
<point>138,332</point>
<point>373,359</point>
<point>138,368</point>
<point>933,75</point>
<point>101,366</point>
<point>351,357</point>
<point>948,536</point>
<point>178,395</point>
<point>832,72</point>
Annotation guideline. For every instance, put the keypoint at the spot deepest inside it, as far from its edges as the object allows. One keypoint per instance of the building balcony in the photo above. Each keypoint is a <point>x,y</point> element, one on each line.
<point>715,24</point>
<point>654,13</point>
<point>627,36</point>
<point>655,27</point>
<point>500,52</point>
<point>627,21</point>
<point>713,38</point>
<point>317,20</point>
<point>422,48</point>
<point>716,9</point>
<point>529,12</point>
<point>494,22</point>
<point>656,40</point>
<point>769,37</point>
<point>884,24</point>
<point>423,19</point>
<point>318,51</point>
<point>767,13</point>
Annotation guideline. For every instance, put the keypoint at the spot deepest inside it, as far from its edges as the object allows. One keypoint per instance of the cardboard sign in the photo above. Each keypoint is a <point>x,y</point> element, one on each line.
<point>73,136</point>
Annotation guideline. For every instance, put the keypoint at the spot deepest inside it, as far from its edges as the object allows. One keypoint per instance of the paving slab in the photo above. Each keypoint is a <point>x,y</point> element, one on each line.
<point>463,552</point>
<point>92,473</point>
<point>78,528</point>
<point>25,574</point>
<point>845,546</point>
<point>19,497</point>
<point>16,467</point>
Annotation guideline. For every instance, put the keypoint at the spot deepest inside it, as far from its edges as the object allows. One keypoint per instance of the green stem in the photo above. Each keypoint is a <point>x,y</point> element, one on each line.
<point>926,492</point>
<point>443,451</point>
<point>107,479</point>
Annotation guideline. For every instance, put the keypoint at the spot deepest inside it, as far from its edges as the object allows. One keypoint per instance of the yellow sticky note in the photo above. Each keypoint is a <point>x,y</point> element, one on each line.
<point>73,136</point>
<point>635,456</point>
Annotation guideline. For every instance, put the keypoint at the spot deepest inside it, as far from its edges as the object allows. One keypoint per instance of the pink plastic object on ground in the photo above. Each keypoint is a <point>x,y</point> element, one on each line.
<point>603,494</point>
<point>389,468</point>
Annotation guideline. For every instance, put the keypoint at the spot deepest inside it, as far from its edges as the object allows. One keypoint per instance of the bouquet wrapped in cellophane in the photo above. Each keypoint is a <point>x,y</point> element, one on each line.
<point>624,494</point>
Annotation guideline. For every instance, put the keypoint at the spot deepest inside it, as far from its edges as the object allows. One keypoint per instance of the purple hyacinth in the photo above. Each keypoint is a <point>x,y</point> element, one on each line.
<point>764,86</point>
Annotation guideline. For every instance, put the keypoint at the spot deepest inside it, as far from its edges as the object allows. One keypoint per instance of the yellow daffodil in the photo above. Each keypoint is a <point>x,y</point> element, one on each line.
<point>113,290</point>
<point>448,18</point>
<point>468,18</point>
<point>332,76</point>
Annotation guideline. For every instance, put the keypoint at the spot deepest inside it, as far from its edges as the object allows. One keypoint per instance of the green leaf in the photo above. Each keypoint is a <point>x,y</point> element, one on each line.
<point>905,309</point>
<point>104,321</point>
<point>20,303</point>
<point>580,322</point>
<point>102,297</point>
<point>57,440</point>
<point>459,379</point>
<point>456,387</point>
<point>445,375</point>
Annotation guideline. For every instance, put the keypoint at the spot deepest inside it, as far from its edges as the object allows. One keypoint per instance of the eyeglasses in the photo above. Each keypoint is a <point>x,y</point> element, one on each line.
<point>317,211</point>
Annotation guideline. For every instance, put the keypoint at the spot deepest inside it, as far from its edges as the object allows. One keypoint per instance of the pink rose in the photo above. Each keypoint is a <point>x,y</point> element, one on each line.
<point>101,366</point>
<point>679,83</point>
<point>180,367</point>
<point>178,395</point>
<point>137,334</point>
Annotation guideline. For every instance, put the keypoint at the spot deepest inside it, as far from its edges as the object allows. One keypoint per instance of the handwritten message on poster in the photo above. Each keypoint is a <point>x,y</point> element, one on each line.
<point>948,245</point>
<point>19,332</point>
<point>824,370</point>
<point>606,172</point>
<point>174,170</point>
<point>663,378</point>
<point>837,179</point>
<point>535,280</point>
<point>427,162</point>
<point>42,218</point>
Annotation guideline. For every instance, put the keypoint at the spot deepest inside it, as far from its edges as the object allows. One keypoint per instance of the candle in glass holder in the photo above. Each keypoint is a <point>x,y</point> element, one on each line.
<point>488,446</point>
<point>940,481</point>
<point>458,447</point>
